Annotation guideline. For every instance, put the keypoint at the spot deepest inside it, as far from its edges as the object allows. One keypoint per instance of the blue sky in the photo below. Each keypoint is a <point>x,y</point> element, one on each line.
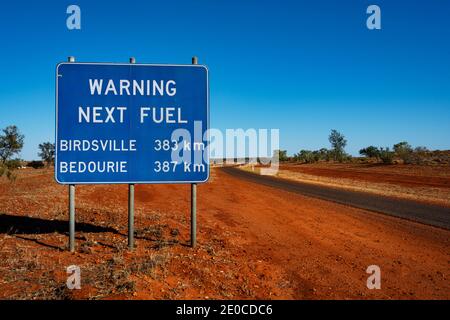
<point>304,67</point>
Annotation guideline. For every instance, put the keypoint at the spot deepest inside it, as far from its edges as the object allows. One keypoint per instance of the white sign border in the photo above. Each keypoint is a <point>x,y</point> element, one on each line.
<point>130,65</point>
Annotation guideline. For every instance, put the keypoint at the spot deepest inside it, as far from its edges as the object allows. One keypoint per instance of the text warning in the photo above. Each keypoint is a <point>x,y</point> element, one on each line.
<point>131,123</point>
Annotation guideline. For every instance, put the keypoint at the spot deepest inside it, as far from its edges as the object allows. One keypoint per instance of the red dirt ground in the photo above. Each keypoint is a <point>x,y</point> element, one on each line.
<point>253,242</point>
<point>404,175</point>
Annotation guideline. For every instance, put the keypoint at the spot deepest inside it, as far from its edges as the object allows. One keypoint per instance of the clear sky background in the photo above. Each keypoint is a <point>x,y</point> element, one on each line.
<point>304,67</point>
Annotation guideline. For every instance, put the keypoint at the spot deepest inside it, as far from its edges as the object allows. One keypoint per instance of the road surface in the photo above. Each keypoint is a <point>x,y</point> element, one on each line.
<point>434,215</point>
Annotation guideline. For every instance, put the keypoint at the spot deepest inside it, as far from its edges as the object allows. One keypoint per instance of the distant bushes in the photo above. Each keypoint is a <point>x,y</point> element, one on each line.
<point>281,155</point>
<point>14,164</point>
<point>36,164</point>
<point>8,167</point>
<point>402,152</point>
<point>321,155</point>
<point>370,152</point>
<point>386,156</point>
<point>307,156</point>
<point>336,153</point>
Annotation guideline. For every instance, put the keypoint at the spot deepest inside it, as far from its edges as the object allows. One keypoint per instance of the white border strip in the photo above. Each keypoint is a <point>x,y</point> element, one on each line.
<point>131,65</point>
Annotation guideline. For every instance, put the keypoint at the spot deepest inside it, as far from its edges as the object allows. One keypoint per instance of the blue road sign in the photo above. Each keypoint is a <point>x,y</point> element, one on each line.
<point>131,123</point>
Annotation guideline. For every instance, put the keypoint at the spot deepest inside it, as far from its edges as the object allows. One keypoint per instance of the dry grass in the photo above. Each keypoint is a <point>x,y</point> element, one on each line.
<point>439,196</point>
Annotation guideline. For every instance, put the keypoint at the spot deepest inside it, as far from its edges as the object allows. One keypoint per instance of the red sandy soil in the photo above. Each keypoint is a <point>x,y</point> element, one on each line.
<point>404,175</point>
<point>424,183</point>
<point>254,242</point>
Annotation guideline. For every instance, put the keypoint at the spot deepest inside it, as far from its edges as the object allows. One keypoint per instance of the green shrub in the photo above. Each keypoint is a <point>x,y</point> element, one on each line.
<point>323,154</point>
<point>307,156</point>
<point>370,152</point>
<point>404,151</point>
<point>282,155</point>
<point>5,171</point>
<point>13,164</point>
<point>386,156</point>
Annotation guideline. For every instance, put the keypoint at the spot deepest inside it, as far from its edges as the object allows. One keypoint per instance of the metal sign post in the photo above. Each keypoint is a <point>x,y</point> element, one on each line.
<point>194,199</point>
<point>71,206</point>
<point>131,203</point>
<point>193,215</point>
<point>131,216</point>
<point>128,123</point>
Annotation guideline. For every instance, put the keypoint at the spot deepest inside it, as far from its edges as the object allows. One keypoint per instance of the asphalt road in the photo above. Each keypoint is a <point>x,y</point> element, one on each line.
<point>434,215</point>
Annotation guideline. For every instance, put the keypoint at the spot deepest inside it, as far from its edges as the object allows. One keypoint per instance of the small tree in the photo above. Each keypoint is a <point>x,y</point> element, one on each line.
<point>403,150</point>
<point>47,152</point>
<point>305,156</point>
<point>386,155</point>
<point>323,154</point>
<point>338,143</point>
<point>315,155</point>
<point>370,152</point>
<point>11,142</point>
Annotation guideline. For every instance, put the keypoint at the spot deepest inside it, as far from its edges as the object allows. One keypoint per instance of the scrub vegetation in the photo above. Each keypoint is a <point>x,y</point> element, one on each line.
<point>400,153</point>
